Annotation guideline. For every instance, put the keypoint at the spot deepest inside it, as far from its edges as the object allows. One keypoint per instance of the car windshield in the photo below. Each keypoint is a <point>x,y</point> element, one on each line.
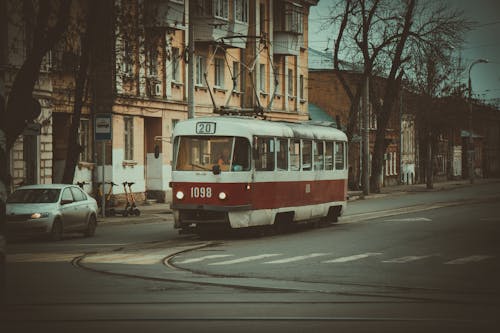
<point>39,195</point>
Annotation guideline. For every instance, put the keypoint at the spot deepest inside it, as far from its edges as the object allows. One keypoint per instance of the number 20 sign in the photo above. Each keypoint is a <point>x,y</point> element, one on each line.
<point>205,128</point>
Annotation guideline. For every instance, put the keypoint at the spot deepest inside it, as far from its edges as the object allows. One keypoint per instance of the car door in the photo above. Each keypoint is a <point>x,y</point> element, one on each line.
<point>68,209</point>
<point>81,205</point>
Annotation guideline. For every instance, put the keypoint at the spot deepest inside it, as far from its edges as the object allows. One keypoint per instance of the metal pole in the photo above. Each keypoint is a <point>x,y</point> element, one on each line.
<point>191,65</point>
<point>103,199</point>
<point>470,141</point>
<point>366,138</point>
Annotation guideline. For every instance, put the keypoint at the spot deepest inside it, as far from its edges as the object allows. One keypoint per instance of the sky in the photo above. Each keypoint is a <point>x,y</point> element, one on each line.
<point>482,42</point>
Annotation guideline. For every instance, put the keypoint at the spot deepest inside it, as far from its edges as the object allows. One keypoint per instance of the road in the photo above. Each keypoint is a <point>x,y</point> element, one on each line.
<point>421,261</point>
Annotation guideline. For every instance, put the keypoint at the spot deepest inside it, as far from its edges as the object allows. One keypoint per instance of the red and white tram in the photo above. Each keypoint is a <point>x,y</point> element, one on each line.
<point>248,172</point>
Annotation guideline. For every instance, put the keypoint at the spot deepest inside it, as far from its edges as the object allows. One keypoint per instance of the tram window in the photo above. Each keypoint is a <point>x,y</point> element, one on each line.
<point>265,157</point>
<point>201,153</point>
<point>241,155</point>
<point>282,154</point>
<point>306,155</point>
<point>339,156</point>
<point>295,155</point>
<point>318,153</point>
<point>328,155</point>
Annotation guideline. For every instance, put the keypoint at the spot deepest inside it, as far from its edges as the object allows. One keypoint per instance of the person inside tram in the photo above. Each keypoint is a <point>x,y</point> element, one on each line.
<point>223,161</point>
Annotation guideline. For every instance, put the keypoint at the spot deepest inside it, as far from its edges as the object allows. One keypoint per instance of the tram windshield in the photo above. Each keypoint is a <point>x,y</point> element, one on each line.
<point>203,153</point>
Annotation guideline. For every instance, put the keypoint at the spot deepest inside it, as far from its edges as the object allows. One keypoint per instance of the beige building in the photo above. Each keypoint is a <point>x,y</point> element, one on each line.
<point>248,55</point>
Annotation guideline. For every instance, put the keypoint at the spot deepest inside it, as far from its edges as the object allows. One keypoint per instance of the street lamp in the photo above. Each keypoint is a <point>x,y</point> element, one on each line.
<point>470,143</point>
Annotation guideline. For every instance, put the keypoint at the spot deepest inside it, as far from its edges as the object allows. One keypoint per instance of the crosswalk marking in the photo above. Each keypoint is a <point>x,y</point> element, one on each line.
<point>297,258</point>
<point>468,259</point>
<point>352,258</point>
<point>245,259</point>
<point>406,259</point>
<point>214,256</point>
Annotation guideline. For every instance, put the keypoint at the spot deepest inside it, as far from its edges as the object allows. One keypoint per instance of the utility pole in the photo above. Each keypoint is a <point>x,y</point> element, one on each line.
<point>366,137</point>
<point>191,61</point>
<point>470,141</point>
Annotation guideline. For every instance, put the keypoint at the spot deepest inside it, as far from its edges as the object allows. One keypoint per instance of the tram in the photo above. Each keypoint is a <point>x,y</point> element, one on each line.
<point>244,172</point>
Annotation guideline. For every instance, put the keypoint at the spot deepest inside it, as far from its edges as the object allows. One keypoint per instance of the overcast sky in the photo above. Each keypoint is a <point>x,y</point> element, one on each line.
<point>482,42</point>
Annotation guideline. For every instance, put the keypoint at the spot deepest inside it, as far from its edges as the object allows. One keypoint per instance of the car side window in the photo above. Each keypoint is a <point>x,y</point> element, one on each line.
<point>78,194</point>
<point>66,195</point>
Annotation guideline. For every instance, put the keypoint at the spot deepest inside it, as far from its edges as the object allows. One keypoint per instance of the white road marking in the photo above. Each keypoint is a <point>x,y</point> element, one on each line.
<point>410,219</point>
<point>403,260</point>
<point>468,259</point>
<point>214,256</point>
<point>352,258</point>
<point>286,260</point>
<point>245,259</point>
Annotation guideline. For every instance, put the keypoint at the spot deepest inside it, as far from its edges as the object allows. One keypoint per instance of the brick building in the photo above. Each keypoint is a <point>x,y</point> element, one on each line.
<point>326,91</point>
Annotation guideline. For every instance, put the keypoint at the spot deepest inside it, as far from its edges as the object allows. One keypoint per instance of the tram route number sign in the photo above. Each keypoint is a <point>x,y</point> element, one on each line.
<point>204,127</point>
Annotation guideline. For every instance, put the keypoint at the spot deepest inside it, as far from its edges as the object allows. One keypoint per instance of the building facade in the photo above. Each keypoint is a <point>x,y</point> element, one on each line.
<point>249,55</point>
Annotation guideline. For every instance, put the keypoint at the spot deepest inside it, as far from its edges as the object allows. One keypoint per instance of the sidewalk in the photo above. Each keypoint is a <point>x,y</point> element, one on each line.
<point>437,186</point>
<point>162,212</point>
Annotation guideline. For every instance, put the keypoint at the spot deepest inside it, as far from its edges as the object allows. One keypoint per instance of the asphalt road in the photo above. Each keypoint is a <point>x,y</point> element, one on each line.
<point>434,268</point>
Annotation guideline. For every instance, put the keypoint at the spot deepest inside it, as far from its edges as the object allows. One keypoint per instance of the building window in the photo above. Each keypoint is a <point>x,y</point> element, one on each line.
<point>221,8</point>
<point>84,141</point>
<point>129,138</point>
<point>175,65</point>
<point>200,70</point>
<point>262,77</point>
<point>301,87</point>
<point>236,76</point>
<point>290,82</point>
<point>288,16</point>
<point>241,10</point>
<point>152,59</point>
<point>128,57</point>
<point>219,72</point>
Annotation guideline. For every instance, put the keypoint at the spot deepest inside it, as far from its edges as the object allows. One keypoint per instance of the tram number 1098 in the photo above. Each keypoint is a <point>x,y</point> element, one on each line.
<point>201,192</point>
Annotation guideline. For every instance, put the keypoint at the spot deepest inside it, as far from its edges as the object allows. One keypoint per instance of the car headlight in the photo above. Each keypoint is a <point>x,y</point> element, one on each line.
<point>35,216</point>
<point>179,195</point>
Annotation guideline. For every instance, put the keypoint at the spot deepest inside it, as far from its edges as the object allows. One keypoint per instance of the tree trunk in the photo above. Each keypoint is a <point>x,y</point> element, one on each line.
<point>81,82</point>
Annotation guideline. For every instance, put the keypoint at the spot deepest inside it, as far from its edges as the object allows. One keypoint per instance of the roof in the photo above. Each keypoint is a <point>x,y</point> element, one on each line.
<point>317,113</point>
<point>248,127</point>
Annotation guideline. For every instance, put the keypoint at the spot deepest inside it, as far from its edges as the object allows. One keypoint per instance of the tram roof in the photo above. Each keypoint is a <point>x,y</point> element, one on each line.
<point>248,127</point>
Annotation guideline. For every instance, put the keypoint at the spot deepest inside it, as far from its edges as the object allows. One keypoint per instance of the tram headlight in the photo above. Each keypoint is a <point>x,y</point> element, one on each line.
<point>179,195</point>
<point>222,195</point>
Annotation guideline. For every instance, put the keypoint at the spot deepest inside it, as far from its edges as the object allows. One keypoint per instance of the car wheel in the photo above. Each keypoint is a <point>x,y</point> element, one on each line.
<point>91,225</point>
<point>57,230</point>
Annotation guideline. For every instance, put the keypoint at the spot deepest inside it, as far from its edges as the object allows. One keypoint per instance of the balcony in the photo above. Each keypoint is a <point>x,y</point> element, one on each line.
<point>164,14</point>
<point>288,28</point>
<point>214,22</point>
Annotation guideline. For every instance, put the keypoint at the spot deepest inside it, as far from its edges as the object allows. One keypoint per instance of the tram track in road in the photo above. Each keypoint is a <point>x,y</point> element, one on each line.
<point>184,275</point>
<point>170,272</point>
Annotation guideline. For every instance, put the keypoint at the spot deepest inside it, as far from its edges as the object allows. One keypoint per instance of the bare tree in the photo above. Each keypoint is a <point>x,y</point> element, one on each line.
<point>383,36</point>
<point>48,20</point>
